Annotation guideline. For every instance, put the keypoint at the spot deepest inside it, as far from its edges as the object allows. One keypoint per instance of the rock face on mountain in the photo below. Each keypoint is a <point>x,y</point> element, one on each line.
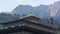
<point>52,10</point>
<point>55,10</point>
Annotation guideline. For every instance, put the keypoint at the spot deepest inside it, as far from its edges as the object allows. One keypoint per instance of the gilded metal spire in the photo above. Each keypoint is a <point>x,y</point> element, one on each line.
<point>31,13</point>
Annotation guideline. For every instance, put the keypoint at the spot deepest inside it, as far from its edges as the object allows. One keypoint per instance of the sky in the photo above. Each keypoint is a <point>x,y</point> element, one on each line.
<point>9,5</point>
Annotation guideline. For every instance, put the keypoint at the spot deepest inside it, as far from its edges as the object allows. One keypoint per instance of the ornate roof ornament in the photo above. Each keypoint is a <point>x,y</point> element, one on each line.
<point>31,14</point>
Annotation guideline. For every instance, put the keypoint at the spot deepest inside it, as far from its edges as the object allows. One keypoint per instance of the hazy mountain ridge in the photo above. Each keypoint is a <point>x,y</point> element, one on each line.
<point>7,17</point>
<point>25,9</point>
<point>42,10</point>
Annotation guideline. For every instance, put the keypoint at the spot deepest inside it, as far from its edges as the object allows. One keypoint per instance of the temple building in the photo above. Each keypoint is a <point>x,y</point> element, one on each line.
<point>26,25</point>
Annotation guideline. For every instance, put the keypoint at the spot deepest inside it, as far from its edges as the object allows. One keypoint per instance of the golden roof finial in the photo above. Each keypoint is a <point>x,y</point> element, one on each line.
<point>31,13</point>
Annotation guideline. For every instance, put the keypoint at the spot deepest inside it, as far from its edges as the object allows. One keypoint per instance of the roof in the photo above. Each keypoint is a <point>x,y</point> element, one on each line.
<point>29,15</point>
<point>28,22</point>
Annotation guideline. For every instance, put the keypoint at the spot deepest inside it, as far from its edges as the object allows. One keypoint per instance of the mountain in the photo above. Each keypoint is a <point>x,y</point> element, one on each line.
<point>52,10</point>
<point>25,9</point>
<point>55,9</point>
<point>21,9</point>
<point>7,17</point>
